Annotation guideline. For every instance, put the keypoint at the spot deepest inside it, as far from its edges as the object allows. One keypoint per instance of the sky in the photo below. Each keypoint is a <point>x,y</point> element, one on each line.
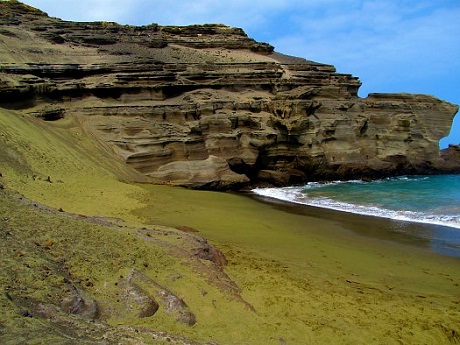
<point>391,45</point>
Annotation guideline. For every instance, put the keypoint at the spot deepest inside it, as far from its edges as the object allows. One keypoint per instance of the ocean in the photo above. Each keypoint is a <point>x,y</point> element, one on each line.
<point>421,199</point>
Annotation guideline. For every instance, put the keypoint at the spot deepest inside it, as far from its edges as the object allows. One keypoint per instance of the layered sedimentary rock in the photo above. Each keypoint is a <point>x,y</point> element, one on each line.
<point>207,107</point>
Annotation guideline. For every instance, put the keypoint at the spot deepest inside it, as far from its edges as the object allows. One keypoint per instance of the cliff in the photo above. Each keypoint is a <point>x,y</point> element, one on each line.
<point>205,106</point>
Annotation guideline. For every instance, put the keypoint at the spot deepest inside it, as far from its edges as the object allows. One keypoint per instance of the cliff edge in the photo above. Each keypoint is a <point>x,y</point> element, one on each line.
<point>205,106</point>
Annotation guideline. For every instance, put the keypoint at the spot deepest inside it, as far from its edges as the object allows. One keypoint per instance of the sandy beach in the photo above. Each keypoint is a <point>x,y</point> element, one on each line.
<point>316,276</point>
<point>295,275</point>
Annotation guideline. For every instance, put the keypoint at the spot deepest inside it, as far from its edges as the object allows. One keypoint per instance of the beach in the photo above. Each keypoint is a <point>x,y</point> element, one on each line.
<point>317,276</point>
<point>294,274</point>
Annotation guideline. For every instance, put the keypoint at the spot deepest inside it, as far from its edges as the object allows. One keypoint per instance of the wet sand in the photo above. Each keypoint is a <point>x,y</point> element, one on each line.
<point>320,276</point>
<point>436,238</point>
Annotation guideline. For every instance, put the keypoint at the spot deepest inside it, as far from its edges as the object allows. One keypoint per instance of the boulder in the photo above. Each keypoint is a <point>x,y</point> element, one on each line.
<point>213,172</point>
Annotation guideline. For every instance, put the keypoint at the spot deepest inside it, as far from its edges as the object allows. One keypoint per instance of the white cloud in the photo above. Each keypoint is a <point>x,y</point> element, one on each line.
<point>377,37</point>
<point>88,10</point>
<point>177,12</point>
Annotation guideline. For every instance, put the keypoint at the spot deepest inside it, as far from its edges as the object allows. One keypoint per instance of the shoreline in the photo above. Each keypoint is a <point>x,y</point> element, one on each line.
<point>287,231</point>
<point>314,274</point>
<point>432,237</point>
<point>290,277</point>
<point>293,194</point>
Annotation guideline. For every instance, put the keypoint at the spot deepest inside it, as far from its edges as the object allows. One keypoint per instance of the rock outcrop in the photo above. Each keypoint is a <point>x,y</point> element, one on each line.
<point>207,107</point>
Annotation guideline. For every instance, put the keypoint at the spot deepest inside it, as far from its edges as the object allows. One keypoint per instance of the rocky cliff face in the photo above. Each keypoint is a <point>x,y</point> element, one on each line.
<point>207,107</point>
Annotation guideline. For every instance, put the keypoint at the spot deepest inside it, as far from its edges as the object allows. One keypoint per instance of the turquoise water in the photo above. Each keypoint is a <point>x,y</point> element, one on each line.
<point>423,199</point>
<point>419,199</point>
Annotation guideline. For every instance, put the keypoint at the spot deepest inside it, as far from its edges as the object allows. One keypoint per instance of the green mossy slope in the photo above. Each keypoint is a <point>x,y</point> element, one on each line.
<point>57,164</point>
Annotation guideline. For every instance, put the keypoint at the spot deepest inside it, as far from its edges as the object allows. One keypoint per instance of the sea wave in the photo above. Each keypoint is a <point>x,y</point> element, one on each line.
<point>297,195</point>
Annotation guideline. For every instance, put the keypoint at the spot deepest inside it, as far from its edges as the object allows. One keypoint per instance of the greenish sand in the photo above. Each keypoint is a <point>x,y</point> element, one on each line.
<point>303,278</point>
<point>314,278</point>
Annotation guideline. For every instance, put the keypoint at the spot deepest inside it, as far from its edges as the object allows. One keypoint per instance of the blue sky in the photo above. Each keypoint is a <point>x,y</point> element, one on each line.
<point>391,45</point>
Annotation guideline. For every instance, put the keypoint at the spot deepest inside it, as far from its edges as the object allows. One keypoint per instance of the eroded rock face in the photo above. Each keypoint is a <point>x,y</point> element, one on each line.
<point>451,157</point>
<point>208,107</point>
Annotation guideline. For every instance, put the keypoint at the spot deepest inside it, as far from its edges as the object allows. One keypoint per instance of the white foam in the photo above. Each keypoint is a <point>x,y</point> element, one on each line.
<point>295,195</point>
